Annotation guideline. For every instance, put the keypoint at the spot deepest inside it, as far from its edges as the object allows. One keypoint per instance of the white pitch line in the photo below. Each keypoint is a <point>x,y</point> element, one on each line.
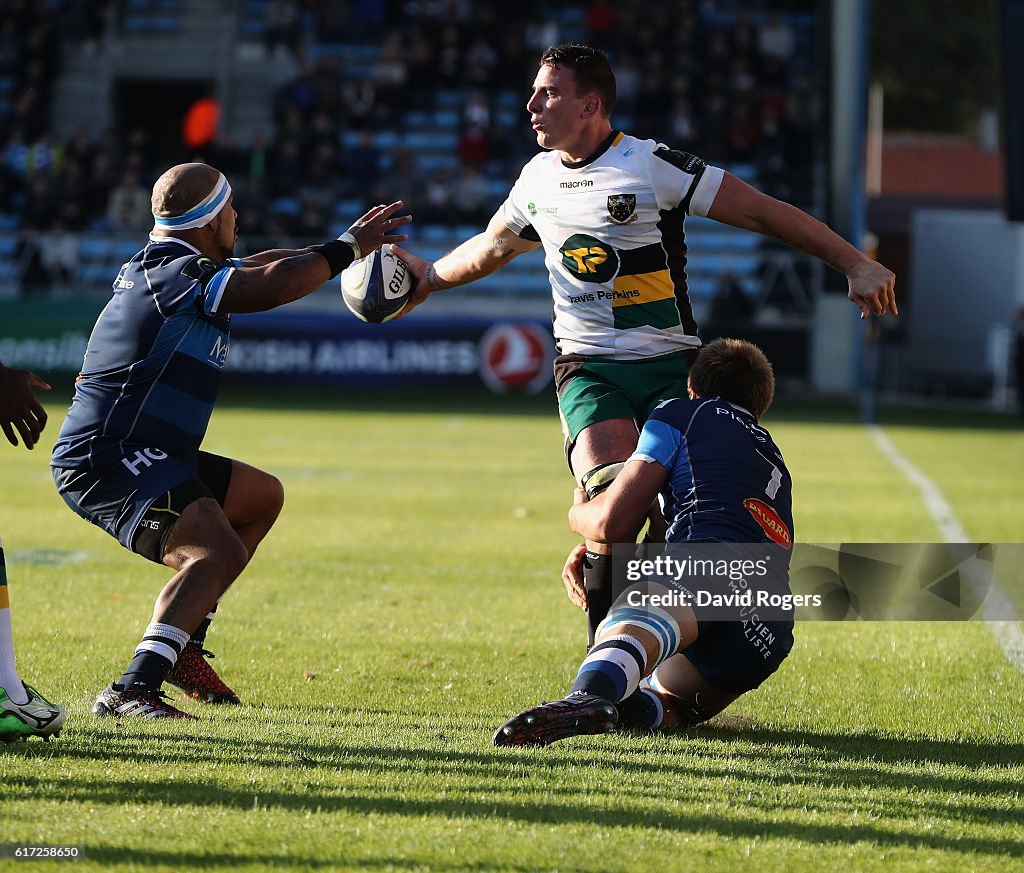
<point>1005,629</point>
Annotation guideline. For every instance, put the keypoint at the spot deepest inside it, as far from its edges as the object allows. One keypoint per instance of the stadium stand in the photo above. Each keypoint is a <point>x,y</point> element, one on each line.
<point>327,106</point>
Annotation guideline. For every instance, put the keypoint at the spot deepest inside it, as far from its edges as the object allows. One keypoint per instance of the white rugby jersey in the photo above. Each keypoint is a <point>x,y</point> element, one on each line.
<point>612,231</point>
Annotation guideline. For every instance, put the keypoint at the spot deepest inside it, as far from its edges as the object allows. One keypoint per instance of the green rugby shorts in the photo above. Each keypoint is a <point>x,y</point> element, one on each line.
<point>593,389</point>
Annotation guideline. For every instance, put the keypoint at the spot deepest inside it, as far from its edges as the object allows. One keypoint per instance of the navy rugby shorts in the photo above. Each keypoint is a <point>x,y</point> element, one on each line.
<point>739,655</point>
<point>138,500</point>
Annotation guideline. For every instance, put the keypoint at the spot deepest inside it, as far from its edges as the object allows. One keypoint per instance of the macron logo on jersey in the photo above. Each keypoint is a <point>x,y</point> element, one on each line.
<point>219,352</point>
<point>577,183</point>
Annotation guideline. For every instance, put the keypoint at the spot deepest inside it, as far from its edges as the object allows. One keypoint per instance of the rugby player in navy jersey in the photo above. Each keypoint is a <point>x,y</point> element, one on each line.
<point>724,482</point>
<point>128,457</point>
<point>609,211</point>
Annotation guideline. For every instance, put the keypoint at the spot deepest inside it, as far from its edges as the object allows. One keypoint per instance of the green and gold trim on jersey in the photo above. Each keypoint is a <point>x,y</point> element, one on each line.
<point>645,293</point>
<point>647,299</point>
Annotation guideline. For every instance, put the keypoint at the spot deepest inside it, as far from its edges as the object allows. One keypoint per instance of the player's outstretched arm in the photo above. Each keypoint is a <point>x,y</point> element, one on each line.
<point>299,273</point>
<point>477,257</point>
<point>261,259</point>
<point>617,514</point>
<point>871,286</point>
<point>20,411</point>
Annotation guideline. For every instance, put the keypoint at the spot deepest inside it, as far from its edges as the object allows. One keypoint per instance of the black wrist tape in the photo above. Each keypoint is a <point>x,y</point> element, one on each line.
<point>338,254</point>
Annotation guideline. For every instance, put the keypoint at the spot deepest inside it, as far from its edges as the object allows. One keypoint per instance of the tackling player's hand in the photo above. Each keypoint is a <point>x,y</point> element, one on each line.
<point>378,226</point>
<point>872,288</point>
<point>19,409</point>
<point>572,576</point>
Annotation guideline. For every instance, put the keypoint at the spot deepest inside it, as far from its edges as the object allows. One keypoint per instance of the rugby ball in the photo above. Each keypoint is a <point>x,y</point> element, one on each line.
<point>377,287</point>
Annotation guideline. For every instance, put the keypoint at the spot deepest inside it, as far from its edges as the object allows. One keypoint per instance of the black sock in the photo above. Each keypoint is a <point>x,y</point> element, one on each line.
<point>199,635</point>
<point>597,580</point>
<point>155,656</point>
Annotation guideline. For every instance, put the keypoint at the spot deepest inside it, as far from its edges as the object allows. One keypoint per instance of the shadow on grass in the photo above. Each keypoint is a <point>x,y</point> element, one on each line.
<point>578,808</point>
<point>185,860</point>
<point>385,780</point>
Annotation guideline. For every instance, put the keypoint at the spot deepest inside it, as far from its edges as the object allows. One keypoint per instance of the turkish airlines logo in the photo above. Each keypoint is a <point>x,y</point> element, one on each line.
<point>516,356</point>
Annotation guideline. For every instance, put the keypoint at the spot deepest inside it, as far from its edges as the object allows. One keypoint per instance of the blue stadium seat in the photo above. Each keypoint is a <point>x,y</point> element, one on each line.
<point>350,209</point>
<point>93,249</point>
<point>385,139</point>
<point>166,24</point>
<point>428,163</point>
<point>746,172</point>
<point>702,286</point>
<point>97,273</point>
<point>124,250</point>
<point>449,100</point>
<point>434,233</point>
<point>444,118</point>
<point>286,206</point>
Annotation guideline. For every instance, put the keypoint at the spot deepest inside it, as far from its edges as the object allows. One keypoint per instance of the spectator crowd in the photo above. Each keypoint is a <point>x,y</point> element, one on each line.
<point>732,82</point>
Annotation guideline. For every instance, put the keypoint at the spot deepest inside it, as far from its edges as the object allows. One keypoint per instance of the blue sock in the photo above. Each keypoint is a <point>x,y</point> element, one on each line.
<point>613,669</point>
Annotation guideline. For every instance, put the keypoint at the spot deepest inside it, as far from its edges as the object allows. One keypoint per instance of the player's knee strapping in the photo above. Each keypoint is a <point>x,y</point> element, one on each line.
<point>597,568</point>
<point>618,662</point>
<point>600,477</point>
<point>656,621</point>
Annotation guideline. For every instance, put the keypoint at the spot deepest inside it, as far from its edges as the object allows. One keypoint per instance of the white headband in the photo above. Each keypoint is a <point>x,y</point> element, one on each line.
<point>203,212</point>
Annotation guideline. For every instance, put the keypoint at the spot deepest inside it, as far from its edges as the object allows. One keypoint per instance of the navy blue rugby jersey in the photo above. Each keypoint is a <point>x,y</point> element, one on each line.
<point>727,479</point>
<point>153,363</point>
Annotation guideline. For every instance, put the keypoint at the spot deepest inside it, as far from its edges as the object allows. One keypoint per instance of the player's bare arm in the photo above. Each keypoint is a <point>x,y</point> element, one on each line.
<point>364,232</point>
<point>871,285</point>
<point>20,411</point>
<point>617,514</point>
<point>477,257</point>
<point>261,259</point>
<point>299,273</point>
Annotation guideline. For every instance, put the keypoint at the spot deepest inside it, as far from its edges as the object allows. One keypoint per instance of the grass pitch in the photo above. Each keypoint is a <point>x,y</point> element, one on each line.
<point>408,602</point>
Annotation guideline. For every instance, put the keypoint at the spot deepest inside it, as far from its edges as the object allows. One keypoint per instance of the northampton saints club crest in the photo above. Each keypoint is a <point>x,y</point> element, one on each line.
<point>622,208</point>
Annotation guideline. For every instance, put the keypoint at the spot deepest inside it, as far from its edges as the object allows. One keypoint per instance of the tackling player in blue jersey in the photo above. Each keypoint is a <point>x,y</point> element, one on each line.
<point>723,481</point>
<point>128,457</point>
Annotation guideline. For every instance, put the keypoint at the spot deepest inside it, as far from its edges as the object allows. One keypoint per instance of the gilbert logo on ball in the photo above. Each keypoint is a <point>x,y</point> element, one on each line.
<point>516,356</point>
<point>376,288</point>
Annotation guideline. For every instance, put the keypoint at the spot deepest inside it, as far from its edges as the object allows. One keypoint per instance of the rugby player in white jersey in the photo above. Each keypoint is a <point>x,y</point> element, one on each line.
<point>608,210</point>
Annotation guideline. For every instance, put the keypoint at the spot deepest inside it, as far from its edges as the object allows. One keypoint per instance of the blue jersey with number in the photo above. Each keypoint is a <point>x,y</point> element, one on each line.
<point>153,363</point>
<point>726,477</point>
